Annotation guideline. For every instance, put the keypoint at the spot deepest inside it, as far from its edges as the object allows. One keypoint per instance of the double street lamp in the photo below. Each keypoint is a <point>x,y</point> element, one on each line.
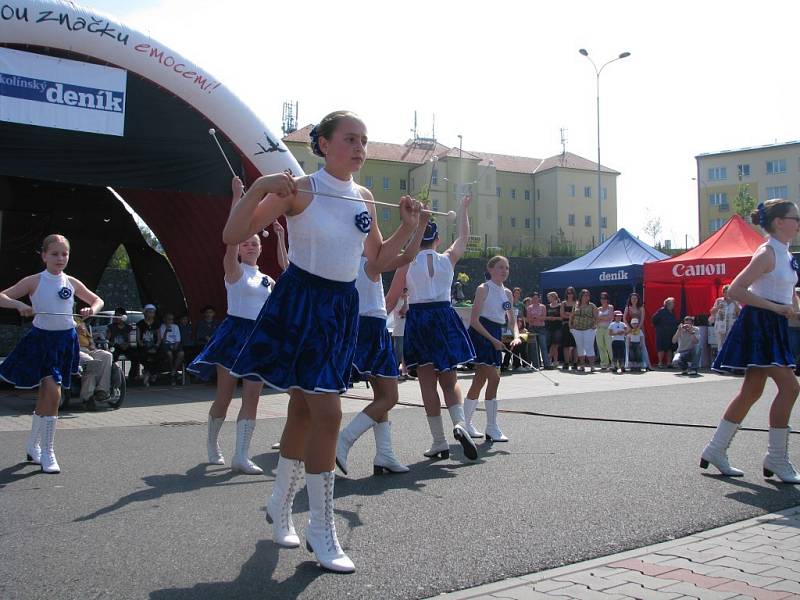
<point>597,72</point>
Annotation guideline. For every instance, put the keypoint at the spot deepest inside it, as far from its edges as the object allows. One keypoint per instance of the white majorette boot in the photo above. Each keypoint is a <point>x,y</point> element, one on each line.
<point>385,460</point>
<point>493,433</point>
<point>48,434</point>
<point>348,436</point>
<point>469,410</point>
<point>214,453</point>
<point>460,433</point>
<point>241,460</point>
<point>33,447</point>
<point>321,533</point>
<point>716,452</point>
<point>776,462</point>
<point>288,481</point>
<point>439,446</point>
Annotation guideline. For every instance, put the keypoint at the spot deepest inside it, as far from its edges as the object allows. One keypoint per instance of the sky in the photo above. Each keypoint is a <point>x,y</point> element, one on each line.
<point>507,76</point>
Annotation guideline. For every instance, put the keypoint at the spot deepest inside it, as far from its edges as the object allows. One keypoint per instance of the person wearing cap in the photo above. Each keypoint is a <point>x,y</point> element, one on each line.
<point>687,336</point>
<point>635,340</point>
<point>635,310</point>
<point>147,342</point>
<point>617,330</point>
<point>119,333</point>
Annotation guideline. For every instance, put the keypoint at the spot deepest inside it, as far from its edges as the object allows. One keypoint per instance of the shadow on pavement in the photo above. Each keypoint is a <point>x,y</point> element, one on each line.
<point>772,495</point>
<point>12,474</point>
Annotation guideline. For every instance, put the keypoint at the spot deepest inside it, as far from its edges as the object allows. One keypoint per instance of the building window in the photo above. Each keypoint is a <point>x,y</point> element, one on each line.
<point>434,176</point>
<point>571,190</point>
<point>412,183</point>
<point>538,223</point>
<point>775,167</point>
<point>499,192</point>
<point>718,199</point>
<point>435,204</point>
<point>587,191</point>
<point>743,171</point>
<point>717,173</point>
<point>587,220</point>
<point>513,221</point>
<point>386,183</point>
<point>538,195</point>
<point>386,214</point>
<point>368,181</point>
<point>604,194</point>
<point>513,194</point>
<point>402,185</point>
<point>570,219</point>
<point>779,191</point>
<point>527,194</point>
<point>715,224</point>
<point>527,222</point>
<point>604,222</point>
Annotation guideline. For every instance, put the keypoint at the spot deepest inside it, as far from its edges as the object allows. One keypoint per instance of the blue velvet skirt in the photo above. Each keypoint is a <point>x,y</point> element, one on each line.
<point>485,354</point>
<point>435,335</point>
<point>374,350</point>
<point>305,335</point>
<point>758,338</point>
<point>223,348</point>
<point>42,353</point>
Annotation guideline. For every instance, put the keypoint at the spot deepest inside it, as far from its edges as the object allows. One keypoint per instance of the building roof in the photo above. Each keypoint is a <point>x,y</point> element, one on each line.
<point>422,151</point>
<point>748,149</point>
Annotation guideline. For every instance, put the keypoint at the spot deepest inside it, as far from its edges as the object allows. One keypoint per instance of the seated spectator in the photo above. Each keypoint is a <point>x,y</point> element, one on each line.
<point>687,357</point>
<point>96,366</point>
<point>169,335</point>
<point>149,349</point>
<point>119,334</point>
<point>206,327</point>
<point>190,350</point>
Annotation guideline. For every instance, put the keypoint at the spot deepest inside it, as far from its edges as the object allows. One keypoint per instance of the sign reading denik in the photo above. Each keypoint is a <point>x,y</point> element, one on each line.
<point>61,93</point>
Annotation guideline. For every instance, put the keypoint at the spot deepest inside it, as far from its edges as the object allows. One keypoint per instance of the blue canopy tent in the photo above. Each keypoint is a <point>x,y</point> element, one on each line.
<point>614,266</point>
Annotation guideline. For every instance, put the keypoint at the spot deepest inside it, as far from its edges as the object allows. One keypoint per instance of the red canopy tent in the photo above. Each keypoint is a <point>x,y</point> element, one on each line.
<point>695,278</point>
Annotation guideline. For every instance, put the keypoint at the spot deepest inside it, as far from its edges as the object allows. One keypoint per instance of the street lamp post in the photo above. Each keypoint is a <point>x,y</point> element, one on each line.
<point>597,72</point>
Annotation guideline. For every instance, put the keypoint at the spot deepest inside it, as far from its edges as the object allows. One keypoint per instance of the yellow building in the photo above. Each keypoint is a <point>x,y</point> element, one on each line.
<point>767,172</point>
<point>518,203</point>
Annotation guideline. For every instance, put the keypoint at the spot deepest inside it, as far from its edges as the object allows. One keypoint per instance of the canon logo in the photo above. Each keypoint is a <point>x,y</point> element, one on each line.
<point>681,270</point>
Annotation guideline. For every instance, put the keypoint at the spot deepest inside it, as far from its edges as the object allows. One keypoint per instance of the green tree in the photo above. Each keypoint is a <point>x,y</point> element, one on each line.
<point>744,203</point>
<point>120,259</point>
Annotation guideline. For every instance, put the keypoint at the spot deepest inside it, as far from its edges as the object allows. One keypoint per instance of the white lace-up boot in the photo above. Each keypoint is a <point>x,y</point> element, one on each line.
<point>214,452</point>
<point>460,433</point>
<point>493,433</point>
<point>288,481</point>
<point>385,460</point>
<point>241,459</point>
<point>716,452</point>
<point>321,533</point>
<point>439,446</point>
<point>48,434</point>
<point>469,410</point>
<point>776,462</point>
<point>348,436</point>
<point>33,447</point>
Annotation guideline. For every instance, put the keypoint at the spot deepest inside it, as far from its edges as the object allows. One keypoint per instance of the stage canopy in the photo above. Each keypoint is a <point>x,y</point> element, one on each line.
<point>614,266</point>
<point>88,104</point>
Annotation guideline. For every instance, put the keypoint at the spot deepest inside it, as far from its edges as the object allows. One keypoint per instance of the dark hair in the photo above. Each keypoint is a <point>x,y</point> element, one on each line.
<point>584,292</point>
<point>638,298</point>
<point>770,210</point>
<point>568,291</point>
<point>207,307</point>
<point>120,311</point>
<point>327,127</point>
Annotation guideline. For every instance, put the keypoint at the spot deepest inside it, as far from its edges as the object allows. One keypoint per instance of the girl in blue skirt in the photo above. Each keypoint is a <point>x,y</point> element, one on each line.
<point>376,362</point>
<point>492,309</point>
<point>304,338</point>
<point>436,341</point>
<point>247,289</point>
<point>758,343</point>
<point>47,357</point>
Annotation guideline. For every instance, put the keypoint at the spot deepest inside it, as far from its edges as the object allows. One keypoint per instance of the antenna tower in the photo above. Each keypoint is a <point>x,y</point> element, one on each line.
<point>290,114</point>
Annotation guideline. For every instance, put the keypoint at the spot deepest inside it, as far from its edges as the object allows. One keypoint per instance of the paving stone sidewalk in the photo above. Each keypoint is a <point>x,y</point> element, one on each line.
<point>757,558</point>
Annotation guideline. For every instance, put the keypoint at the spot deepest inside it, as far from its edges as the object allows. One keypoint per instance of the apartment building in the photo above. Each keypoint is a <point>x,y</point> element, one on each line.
<point>767,172</point>
<point>518,203</point>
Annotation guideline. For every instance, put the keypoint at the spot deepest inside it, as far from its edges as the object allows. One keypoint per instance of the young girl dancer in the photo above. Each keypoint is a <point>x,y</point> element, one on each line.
<point>493,307</point>
<point>47,356</point>
<point>758,343</point>
<point>304,338</point>
<point>248,289</point>
<point>375,359</point>
<point>435,338</point>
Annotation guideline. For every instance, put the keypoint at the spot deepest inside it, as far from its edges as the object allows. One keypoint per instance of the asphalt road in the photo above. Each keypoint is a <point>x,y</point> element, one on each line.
<point>137,515</point>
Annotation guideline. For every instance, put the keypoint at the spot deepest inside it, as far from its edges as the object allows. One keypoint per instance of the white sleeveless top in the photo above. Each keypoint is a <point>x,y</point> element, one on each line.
<point>325,239</point>
<point>247,296</point>
<point>53,294</point>
<point>371,301</point>
<point>493,307</point>
<point>778,284</point>
<point>424,288</point>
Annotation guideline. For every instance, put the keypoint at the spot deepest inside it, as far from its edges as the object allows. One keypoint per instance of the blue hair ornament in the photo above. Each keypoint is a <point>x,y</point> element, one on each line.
<point>762,215</point>
<point>314,135</point>
<point>795,264</point>
<point>431,231</point>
